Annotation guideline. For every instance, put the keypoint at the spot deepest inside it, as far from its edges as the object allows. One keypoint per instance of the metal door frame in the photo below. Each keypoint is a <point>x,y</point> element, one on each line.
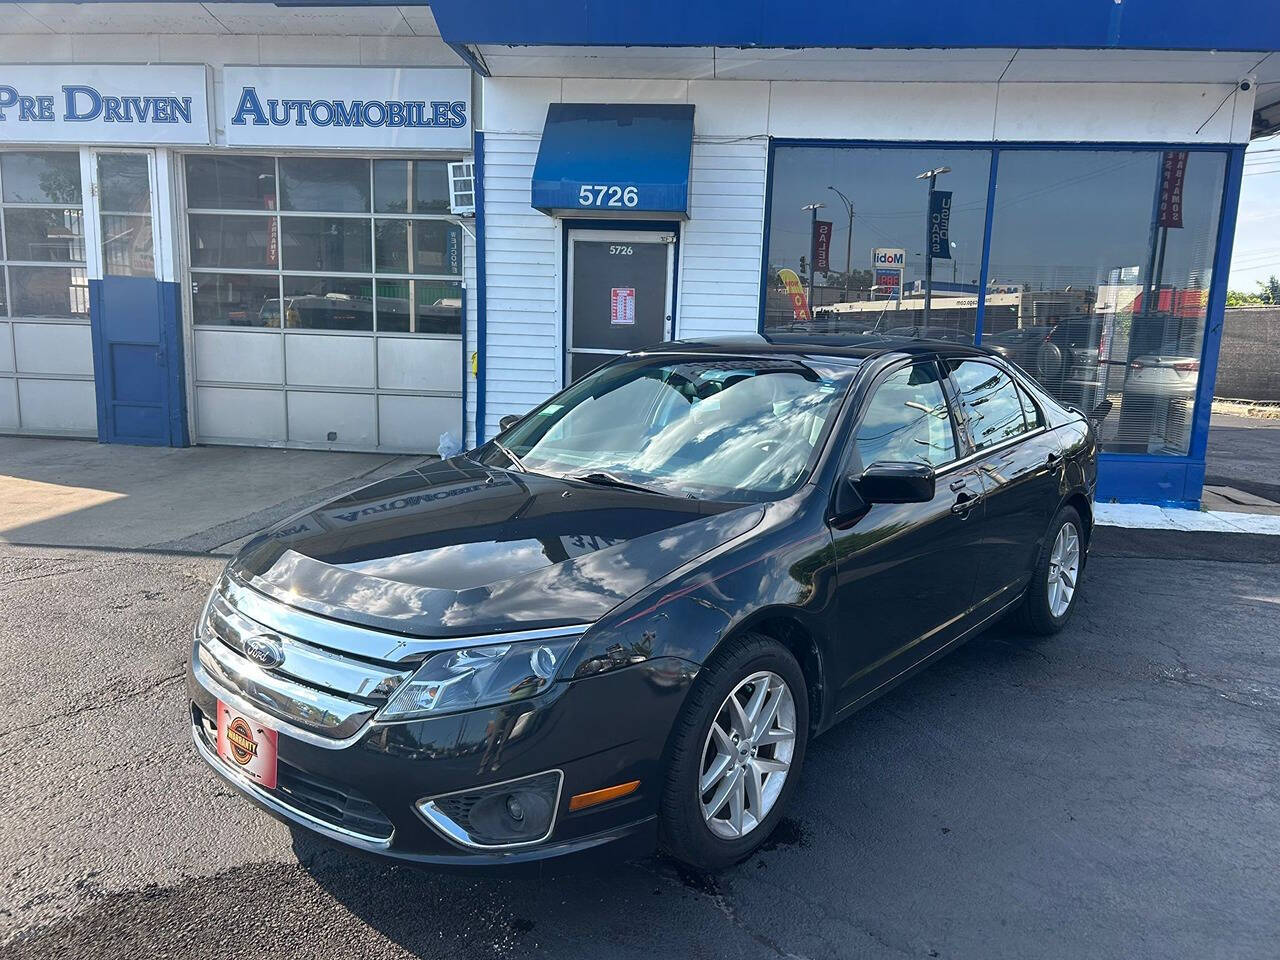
<point>664,234</point>
<point>93,202</point>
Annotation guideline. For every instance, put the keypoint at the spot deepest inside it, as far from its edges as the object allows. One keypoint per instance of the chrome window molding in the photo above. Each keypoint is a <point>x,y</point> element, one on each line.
<point>447,828</point>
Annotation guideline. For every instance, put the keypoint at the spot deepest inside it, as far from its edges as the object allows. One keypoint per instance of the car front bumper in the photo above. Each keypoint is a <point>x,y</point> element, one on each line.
<point>362,792</point>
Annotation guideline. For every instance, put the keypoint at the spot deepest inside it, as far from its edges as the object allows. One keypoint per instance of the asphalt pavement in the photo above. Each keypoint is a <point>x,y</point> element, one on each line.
<point>1108,792</point>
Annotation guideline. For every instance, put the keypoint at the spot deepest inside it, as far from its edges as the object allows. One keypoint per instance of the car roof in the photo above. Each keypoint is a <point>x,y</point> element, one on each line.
<point>860,347</point>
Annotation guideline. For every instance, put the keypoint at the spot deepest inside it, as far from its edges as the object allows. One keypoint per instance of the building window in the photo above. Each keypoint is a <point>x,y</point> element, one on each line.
<point>872,278</point>
<point>42,221</point>
<point>324,243</point>
<point>1098,268</point>
<point>1107,293</point>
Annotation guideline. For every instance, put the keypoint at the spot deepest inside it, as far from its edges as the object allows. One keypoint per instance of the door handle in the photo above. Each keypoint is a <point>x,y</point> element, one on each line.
<point>965,502</point>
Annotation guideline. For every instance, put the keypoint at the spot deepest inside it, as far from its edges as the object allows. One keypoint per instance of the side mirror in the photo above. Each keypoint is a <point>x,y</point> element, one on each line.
<point>896,482</point>
<point>507,422</point>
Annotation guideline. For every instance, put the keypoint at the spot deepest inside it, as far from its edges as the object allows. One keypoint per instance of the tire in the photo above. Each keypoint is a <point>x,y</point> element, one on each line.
<point>1042,611</point>
<point>684,830</point>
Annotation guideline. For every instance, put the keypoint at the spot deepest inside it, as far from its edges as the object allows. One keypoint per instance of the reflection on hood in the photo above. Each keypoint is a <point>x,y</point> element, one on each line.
<point>456,548</point>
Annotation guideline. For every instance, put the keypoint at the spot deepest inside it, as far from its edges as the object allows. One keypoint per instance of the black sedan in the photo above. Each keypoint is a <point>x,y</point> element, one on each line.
<point>620,622</point>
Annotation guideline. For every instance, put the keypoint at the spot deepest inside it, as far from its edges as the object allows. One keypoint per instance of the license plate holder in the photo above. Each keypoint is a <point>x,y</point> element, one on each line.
<point>248,746</point>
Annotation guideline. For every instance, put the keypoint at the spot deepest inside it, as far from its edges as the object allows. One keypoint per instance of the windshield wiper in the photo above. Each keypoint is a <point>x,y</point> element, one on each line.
<point>515,461</point>
<point>604,478</point>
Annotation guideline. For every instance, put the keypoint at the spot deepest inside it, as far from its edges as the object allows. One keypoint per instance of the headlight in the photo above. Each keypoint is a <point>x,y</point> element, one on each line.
<point>477,677</point>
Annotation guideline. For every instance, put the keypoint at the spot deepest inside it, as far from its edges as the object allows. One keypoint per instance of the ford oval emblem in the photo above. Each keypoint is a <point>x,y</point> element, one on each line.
<point>265,650</point>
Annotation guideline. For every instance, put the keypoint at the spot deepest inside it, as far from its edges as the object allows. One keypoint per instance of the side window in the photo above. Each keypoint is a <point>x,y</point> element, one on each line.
<point>989,402</point>
<point>1029,409</point>
<point>906,419</point>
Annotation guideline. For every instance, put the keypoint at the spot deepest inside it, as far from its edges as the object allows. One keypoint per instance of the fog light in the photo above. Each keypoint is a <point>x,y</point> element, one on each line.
<point>514,813</point>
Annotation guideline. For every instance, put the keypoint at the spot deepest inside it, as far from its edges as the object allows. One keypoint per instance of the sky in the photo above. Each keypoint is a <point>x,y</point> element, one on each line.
<point>1256,254</point>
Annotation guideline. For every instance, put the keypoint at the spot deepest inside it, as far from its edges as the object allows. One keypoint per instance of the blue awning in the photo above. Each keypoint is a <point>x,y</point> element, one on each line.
<point>617,159</point>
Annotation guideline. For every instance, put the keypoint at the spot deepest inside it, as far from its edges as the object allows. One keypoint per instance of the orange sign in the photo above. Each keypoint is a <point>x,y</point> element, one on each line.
<point>799,303</point>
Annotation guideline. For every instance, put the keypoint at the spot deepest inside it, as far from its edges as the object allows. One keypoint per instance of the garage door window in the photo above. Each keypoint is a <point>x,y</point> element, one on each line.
<point>43,227</point>
<point>324,243</point>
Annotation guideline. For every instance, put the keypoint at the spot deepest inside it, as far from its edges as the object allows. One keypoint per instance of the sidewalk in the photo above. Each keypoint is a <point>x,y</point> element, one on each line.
<point>80,493</point>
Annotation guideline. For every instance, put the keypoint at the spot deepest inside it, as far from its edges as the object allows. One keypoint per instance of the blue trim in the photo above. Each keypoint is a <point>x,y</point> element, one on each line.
<point>1214,317</point>
<point>466,367</point>
<point>465,55</point>
<point>764,248</point>
<point>1148,478</point>
<point>171,329</point>
<point>482,328</point>
<point>1000,144</point>
<point>986,247</point>
<point>1234,25</point>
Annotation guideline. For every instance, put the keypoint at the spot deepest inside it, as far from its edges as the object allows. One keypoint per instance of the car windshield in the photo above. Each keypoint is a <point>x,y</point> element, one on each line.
<point>715,428</point>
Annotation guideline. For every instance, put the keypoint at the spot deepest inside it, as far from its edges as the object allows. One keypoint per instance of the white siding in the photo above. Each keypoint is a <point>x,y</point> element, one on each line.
<point>522,254</point>
<point>720,245</point>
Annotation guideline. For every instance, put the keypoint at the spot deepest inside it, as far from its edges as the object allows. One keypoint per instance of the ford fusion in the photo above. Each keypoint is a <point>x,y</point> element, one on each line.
<point>618,624</point>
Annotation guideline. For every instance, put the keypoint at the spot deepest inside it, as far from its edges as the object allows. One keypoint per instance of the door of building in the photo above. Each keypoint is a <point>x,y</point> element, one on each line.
<point>135,338</point>
<point>619,295</point>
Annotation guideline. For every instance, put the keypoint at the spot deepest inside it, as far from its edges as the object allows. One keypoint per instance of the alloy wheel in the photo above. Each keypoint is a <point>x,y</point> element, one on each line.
<point>747,755</point>
<point>1064,569</point>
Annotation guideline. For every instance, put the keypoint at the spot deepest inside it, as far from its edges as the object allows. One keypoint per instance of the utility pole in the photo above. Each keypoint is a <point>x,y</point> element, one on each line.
<point>932,177</point>
<point>848,241</point>
<point>813,209</point>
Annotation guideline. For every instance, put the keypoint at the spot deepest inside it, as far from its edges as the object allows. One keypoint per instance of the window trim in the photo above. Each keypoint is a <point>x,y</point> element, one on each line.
<point>1018,389</point>
<point>850,452</point>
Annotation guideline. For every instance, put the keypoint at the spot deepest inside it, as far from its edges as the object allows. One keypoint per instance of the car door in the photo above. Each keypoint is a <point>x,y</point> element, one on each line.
<point>1021,467</point>
<point>905,573</point>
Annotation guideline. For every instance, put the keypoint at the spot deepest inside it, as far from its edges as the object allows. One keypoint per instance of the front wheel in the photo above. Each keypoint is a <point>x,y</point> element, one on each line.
<point>736,754</point>
<point>1055,582</point>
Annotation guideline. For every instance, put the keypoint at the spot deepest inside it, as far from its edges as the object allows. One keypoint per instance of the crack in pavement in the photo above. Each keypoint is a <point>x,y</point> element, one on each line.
<point>96,705</point>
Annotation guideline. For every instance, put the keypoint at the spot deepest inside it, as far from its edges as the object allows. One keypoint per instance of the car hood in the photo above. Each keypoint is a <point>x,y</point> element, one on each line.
<point>455,548</point>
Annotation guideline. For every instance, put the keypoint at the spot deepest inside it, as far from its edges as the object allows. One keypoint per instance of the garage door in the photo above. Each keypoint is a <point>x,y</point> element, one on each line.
<point>46,350</point>
<point>326,301</point>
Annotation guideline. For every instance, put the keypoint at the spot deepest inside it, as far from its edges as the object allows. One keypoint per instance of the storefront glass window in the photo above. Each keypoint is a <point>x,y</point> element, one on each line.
<point>1098,275</point>
<point>41,177</point>
<point>42,274</point>
<point>231,183</point>
<point>1106,296</point>
<point>328,184</point>
<point>231,241</point>
<point>236,299</point>
<point>360,245</point>
<point>336,244</point>
<point>410,186</point>
<point>876,281</point>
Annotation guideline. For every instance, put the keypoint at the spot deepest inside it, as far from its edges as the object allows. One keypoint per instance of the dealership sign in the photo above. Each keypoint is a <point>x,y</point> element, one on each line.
<point>370,107</point>
<point>89,103</point>
<point>940,224</point>
<point>822,245</point>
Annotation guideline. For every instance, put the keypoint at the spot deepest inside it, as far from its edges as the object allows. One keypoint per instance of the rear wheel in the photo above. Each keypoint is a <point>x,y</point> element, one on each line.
<point>1055,582</point>
<point>736,754</point>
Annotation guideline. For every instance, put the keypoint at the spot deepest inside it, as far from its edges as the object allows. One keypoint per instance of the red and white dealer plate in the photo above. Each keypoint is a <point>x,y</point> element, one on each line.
<point>249,746</point>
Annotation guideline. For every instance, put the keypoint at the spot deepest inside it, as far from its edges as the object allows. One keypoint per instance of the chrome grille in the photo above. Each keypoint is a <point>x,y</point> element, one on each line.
<point>312,689</point>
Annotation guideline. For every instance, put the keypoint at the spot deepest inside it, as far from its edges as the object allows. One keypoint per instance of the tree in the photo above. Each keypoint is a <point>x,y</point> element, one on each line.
<point>1238,298</point>
<point>1270,290</point>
